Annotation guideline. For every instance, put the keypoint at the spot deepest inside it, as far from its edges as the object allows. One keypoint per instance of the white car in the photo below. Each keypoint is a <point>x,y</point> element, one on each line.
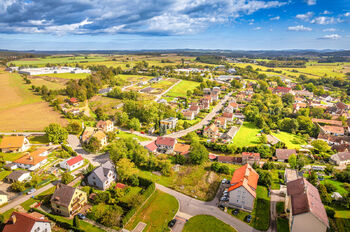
<point>33,190</point>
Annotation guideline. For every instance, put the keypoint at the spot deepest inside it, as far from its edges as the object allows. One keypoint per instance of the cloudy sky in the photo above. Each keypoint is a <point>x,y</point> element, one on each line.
<point>171,24</point>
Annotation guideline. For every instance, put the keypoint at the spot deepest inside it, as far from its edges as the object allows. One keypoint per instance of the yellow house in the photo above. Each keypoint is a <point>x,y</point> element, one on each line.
<point>67,201</point>
<point>3,198</point>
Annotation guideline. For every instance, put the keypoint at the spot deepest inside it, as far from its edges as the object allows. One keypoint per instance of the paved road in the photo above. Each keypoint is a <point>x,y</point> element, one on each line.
<point>22,133</point>
<point>205,120</point>
<point>191,207</point>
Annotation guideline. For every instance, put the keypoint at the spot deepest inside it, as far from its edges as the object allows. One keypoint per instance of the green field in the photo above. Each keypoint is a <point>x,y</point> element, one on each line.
<point>11,156</point>
<point>247,135</point>
<point>126,135</point>
<point>291,140</point>
<point>51,85</point>
<point>180,90</point>
<point>40,139</point>
<point>131,194</point>
<point>67,75</point>
<point>337,184</point>
<point>156,212</point>
<point>282,224</point>
<point>3,174</point>
<point>40,62</point>
<point>206,223</point>
<point>164,84</point>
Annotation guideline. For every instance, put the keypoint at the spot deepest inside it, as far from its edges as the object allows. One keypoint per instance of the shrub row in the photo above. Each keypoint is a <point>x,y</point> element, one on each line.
<point>69,150</point>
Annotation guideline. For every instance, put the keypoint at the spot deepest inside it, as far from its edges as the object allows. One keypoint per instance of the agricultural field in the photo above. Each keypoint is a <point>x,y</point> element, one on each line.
<point>247,135</point>
<point>156,212</point>
<point>66,75</point>
<point>51,85</point>
<point>206,223</point>
<point>133,78</point>
<point>180,90</point>
<point>21,109</point>
<point>106,103</point>
<point>291,140</point>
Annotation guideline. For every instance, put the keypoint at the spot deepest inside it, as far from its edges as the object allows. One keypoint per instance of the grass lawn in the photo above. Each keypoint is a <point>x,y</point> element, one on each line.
<point>282,224</point>
<point>51,85</point>
<point>280,207</point>
<point>275,180</point>
<point>180,90</point>
<point>291,140</point>
<point>126,135</point>
<point>156,212</point>
<point>246,135</point>
<point>3,174</point>
<point>131,194</point>
<point>11,156</point>
<point>41,139</point>
<point>164,84</point>
<point>41,62</point>
<point>342,224</point>
<point>67,75</point>
<point>337,184</point>
<point>206,223</point>
<point>26,205</point>
<point>7,214</point>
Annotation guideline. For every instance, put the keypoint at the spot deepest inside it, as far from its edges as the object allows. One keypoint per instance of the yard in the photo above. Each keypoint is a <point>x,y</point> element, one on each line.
<point>164,84</point>
<point>206,223</point>
<point>51,85</point>
<point>126,135</point>
<point>4,174</point>
<point>20,109</point>
<point>156,212</point>
<point>247,135</point>
<point>180,90</point>
<point>291,140</point>
<point>40,139</point>
<point>337,184</point>
<point>11,156</point>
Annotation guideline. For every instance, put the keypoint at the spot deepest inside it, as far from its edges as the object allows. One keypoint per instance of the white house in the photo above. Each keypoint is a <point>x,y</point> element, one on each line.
<point>341,158</point>
<point>103,176</point>
<point>34,160</point>
<point>25,222</point>
<point>72,163</point>
<point>19,175</point>
<point>14,144</point>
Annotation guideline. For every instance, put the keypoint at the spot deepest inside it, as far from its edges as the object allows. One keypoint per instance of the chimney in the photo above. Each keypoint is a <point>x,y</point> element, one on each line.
<point>13,219</point>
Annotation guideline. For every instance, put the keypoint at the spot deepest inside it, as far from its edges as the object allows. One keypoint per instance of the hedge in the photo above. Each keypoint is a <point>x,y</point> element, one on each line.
<point>69,150</point>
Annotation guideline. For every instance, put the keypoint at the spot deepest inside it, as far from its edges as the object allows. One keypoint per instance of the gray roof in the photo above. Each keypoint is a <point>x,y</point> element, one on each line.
<point>102,171</point>
<point>63,195</point>
<point>342,156</point>
<point>16,175</point>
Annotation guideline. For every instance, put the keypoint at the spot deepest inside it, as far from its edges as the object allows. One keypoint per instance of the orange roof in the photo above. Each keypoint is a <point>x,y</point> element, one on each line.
<point>182,148</point>
<point>12,142</point>
<point>334,129</point>
<point>39,151</point>
<point>23,222</point>
<point>30,159</point>
<point>99,135</point>
<point>211,127</point>
<point>247,177</point>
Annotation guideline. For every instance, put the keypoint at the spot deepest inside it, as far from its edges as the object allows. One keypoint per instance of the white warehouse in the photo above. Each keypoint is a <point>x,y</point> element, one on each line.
<point>50,70</point>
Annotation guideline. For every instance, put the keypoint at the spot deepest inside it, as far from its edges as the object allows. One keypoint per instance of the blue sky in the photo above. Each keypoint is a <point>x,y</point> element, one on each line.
<point>174,24</point>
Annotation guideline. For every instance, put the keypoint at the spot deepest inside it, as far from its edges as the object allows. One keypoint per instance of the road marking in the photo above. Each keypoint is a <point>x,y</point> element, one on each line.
<point>183,215</point>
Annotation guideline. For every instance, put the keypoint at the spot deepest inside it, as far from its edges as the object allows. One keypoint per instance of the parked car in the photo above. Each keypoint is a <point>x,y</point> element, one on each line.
<point>172,223</point>
<point>221,207</point>
<point>228,182</point>
<point>223,199</point>
<point>81,216</point>
<point>235,212</point>
<point>33,190</point>
<point>249,218</point>
<point>224,181</point>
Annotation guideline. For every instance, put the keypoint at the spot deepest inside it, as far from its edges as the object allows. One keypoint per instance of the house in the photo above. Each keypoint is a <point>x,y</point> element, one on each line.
<point>214,96</point>
<point>216,90</point>
<point>165,144</point>
<point>106,126</point>
<point>19,175</point>
<point>152,147</point>
<point>147,90</point>
<point>25,222</point>
<point>230,134</point>
<point>220,122</point>
<point>3,197</point>
<point>333,130</point>
<point>182,149</point>
<point>72,163</point>
<point>105,91</point>
<point>341,158</point>
<point>212,157</point>
<point>234,105</point>
<point>211,131</point>
<point>67,200</point>
<point>10,166</point>
<point>283,154</point>
<point>336,196</point>
<point>242,192</point>
<point>282,90</point>
<point>206,91</point>
<point>303,93</point>
<point>103,176</point>
<point>229,159</point>
<point>327,122</point>
<point>228,116</point>
<point>272,139</point>
<point>88,132</point>
<point>195,109</point>
<point>155,79</point>
<point>73,101</point>
<point>168,124</point>
<point>291,175</point>
<point>250,158</point>
<point>304,207</point>
<point>189,115</point>
<point>228,109</point>
<point>34,160</point>
<point>102,137</point>
<point>14,144</point>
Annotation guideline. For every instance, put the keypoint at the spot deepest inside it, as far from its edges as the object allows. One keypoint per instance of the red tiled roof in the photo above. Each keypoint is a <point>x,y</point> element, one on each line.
<point>250,154</point>
<point>247,177</point>
<point>73,100</point>
<point>24,222</point>
<point>282,89</point>
<point>120,185</point>
<point>74,160</point>
<point>326,121</point>
<point>212,156</point>
<point>334,129</point>
<point>227,115</point>
<point>151,146</point>
<point>167,141</point>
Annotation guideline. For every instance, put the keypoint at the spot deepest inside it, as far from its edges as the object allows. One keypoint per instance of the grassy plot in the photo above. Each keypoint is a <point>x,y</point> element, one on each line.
<point>41,62</point>
<point>180,90</point>
<point>282,224</point>
<point>51,85</point>
<point>337,184</point>
<point>4,174</point>
<point>126,135</point>
<point>206,223</point>
<point>164,84</point>
<point>291,140</point>
<point>156,212</point>
<point>11,156</point>
<point>67,75</point>
<point>247,135</point>
<point>40,139</point>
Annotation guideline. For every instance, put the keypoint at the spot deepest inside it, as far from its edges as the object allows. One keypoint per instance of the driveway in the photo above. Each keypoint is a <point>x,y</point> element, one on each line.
<point>275,197</point>
<point>190,207</point>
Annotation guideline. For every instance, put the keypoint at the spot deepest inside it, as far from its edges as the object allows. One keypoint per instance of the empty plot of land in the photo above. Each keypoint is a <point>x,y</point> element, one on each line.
<point>67,75</point>
<point>180,90</point>
<point>20,109</point>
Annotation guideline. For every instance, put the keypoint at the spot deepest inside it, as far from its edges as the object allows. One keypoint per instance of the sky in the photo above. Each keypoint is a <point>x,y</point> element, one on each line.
<point>174,24</point>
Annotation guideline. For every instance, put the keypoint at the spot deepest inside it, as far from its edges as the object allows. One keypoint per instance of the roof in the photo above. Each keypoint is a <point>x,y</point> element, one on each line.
<point>247,177</point>
<point>283,154</point>
<point>23,222</point>
<point>326,121</point>
<point>229,159</point>
<point>15,175</point>
<point>194,108</point>
<point>342,156</point>
<point>167,141</point>
<point>227,115</point>
<point>12,142</point>
<point>102,124</point>
<point>188,113</point>
<point>182,148</point>
<point>291,174</point>
<point>74,160</point>
<point>305,198</point>
<point>250,155</point>
<point>282,89</point>
<point>31,159</point>
<point>39,151</point>
<point>120,185</point>
<point>63,195</point>
<point>102,171</point>
<point>73,100</point>
<point>151,146</point>
<point>212,156</point>
<point>211,127</point>
<point>334,129</point>
<point>99,135</point>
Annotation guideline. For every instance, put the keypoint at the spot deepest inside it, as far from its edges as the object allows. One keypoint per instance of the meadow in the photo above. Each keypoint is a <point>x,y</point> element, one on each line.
<point>51,85</point>
<point>21,109</point>
<point>180,90</point>
<point>206,223</point>
<point>291,140</point>
<point>67,75</point>
<point>247,135</point>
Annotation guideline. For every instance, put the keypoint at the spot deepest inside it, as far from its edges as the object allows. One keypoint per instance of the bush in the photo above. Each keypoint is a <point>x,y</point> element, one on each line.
<point>69,150</point>
<point>330,212</point>
<point>330,187</point>
<point>220,168</point>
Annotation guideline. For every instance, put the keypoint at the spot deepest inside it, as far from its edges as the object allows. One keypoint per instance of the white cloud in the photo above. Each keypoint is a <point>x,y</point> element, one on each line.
<point>257,29</point>
<point>311,2</point>
<point>326,12</point>
<point>347,14</point>
<point>332,36</point>
<point>275,18</point>
<point>299,28</point>
<point>329,30</point>
<point>305,17</point>
<point>323,20</point>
